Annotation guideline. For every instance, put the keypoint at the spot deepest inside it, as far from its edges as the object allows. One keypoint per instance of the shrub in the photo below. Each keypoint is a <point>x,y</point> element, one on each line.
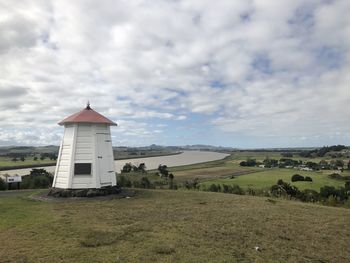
<point>35,182</point>
<point>308,179</point>
<point>309,195</point>
<point>251,191</point>
<point>38,178</point>
<point>340,193</point>
<point>3,185</point>
<point>191,184</point>
<point>237,190</point>
<point>327,191</point>
<point>297,177</point>
<point>332,201</point>
<point>347,185</point>
<point>347,203</point>
<point>122,181</point>
<point>145,183</point>
<point>213,188</point>
<point>335,176</point>
<point>284,189</point>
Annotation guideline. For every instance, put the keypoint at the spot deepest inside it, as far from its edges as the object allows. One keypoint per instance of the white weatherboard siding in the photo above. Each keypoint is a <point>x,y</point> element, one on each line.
<point>63,167</point>
<point>84,153</point>
<point>85,143</point>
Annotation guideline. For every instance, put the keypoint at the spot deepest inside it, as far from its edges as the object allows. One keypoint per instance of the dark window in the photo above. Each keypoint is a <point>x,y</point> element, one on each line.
<point>82,168</point>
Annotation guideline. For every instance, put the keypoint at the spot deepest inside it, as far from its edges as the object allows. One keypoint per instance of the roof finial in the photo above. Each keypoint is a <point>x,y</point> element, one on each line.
<point>88,105</point>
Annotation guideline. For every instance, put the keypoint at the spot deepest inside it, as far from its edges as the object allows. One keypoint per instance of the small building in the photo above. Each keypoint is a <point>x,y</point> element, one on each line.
<point>85,159</point>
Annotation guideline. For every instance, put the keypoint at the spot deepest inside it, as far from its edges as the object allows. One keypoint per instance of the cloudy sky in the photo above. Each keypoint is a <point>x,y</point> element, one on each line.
<point>259,73</point>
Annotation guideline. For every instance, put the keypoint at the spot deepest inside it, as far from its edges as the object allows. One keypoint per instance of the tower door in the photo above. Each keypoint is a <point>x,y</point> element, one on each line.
<point>104,158</point>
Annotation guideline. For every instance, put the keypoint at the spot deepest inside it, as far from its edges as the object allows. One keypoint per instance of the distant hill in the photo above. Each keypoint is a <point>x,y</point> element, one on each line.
<point>28,150</point>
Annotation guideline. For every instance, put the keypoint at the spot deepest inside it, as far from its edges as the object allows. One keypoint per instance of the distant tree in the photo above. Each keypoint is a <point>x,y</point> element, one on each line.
<point>39,171</point>
<point>42,157</point>
<point>243,163</point>
<point>14,159</point>
<point>163,170</point>
<point>289,162</point>
<point>323,164</point>
<point>171,181</point>
<point>35,158</point>
<point>248,162</point>
<point>312,165</point>
<point>23,159</point>
<point>337,164</point>
<point>142,167</point>
<point>134,168</point>
<point>53,157</point>
<point>270,163</point>
<point>127,168</point>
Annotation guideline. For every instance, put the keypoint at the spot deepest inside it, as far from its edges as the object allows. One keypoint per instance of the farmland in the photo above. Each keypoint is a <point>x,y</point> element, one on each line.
<point>265,179</point>
<point>228,171</point>
<point>7,162</point>
<point>171,226</point>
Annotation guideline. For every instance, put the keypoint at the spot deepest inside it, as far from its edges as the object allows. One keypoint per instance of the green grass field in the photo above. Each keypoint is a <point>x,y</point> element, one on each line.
<point>267,178</point>
<point>221,171</point>
<point>171,226</point>
<point>260,156</point>
<point>7,162</point>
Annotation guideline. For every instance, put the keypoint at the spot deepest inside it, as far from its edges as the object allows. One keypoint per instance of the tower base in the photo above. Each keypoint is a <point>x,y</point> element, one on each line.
<point>88,192</point>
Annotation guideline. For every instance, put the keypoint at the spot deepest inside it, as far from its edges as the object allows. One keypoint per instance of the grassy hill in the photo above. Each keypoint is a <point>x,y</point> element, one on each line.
<point>171,226</point>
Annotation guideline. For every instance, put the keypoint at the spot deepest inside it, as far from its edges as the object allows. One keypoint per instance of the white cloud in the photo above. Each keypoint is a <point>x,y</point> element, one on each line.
<point>259,68</point>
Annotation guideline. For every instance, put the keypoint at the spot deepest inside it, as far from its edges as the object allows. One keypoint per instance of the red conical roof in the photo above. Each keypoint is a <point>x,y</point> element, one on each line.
<point>87,115</point>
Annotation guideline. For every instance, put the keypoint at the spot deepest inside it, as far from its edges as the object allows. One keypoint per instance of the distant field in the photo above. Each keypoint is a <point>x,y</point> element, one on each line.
<point>7,162</point>
<point>260,156</point>
<point>220,172</point>
<point>172,226</point>
<point>269,177</point>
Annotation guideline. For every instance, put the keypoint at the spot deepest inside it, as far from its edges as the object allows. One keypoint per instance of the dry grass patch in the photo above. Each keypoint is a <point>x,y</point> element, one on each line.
<point>173,226</point>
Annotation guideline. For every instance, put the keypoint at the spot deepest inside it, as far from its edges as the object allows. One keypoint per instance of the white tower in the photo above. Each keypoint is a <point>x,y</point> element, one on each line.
<point>85,158</point>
